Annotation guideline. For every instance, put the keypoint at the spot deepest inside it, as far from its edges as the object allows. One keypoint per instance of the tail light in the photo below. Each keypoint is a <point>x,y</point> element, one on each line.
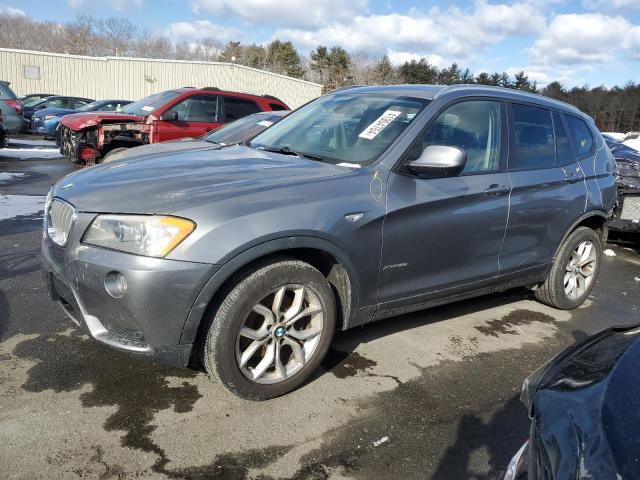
<point>15,104</point>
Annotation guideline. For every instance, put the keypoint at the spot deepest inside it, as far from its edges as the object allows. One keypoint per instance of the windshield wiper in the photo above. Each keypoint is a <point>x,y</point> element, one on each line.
<point>285,150</point>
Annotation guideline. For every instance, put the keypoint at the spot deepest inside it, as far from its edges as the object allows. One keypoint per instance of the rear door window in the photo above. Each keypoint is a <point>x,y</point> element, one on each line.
<point>56,103</point>
<point>563,150</point>
<point>76,103</point>
<point>236,108</point>
<point>581,136</point>
<point>533,138</point>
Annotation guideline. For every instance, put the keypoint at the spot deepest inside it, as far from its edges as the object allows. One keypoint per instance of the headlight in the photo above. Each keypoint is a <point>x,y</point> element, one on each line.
<point>49,117</point>
<point>152,236</point>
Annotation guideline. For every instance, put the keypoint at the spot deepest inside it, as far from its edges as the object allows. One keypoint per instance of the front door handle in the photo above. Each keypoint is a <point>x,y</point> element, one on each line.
<point>497,190</point>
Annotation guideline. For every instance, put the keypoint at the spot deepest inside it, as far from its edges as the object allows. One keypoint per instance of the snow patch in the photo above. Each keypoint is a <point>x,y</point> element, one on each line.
<point>609,253</point>
<point>6,177</point>
<point>12,206</point>
<point>28,153</point>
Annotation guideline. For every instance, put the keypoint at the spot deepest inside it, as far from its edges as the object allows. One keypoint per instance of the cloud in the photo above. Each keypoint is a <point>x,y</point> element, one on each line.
<point>12,12</point>
<point>117,5</point>
<point>283,12</point>
<point>398,58</point>
<point>611,4</point>
<point>633,42</point>
<point>461,33</point>
<point>201,29</point>
<point>575,39</point>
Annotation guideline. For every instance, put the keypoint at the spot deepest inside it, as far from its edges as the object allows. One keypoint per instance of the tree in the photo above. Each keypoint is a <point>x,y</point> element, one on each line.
<point>483,79</point>
<point>554,90</point>
<point>466,76</point>
<point>283,58</point>
<point>450,75</point>
<point>418,72</point>
<point>504,81</point>
<point>522,82</point>
<point>383,71</point>
<point>332,66</point>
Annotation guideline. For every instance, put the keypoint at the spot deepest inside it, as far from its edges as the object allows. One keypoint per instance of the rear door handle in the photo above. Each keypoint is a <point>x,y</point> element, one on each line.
<point>497,190</point>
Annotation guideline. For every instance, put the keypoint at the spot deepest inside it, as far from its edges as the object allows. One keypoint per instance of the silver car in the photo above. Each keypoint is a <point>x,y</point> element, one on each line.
<point>11,108</point>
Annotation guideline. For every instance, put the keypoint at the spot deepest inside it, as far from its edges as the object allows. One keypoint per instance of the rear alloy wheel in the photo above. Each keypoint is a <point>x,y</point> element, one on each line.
<point>272,330</point>
<point>574,271</point>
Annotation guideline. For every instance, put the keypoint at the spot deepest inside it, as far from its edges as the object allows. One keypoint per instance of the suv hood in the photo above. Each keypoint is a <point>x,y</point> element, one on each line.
<point>79,121</point>
<point>190,174</point>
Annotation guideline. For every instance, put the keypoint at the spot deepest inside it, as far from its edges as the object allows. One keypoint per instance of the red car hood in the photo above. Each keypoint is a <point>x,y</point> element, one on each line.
<point>78,121</point>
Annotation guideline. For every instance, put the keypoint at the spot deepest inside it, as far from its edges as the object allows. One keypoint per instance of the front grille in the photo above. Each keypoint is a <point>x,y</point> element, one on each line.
<point>60,218</point>
<point>630,208</point>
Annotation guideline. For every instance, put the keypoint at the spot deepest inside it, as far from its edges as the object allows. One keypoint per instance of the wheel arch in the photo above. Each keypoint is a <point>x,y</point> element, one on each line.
<point>595,219</point>
<point>324,255</point>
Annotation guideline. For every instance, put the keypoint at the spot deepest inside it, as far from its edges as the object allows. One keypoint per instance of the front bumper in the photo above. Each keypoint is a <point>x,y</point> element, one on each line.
<point>40,126</point>
<point>149,318</point>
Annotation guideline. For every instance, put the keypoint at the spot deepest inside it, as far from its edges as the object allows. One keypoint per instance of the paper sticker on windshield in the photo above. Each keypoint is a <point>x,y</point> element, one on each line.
<point>265,123</point>
<point>379,124</point>
<point>147,108</point>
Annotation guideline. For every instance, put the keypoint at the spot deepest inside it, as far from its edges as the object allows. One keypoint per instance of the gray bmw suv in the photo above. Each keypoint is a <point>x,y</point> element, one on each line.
<point>366,203</point>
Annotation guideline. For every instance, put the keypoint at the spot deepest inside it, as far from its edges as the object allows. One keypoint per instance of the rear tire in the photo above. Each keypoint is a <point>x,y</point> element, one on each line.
<point>271,331</point>
<point>574,271</point>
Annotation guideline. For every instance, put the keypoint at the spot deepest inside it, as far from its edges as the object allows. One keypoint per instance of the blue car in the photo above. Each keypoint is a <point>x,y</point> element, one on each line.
<point>56,101</point>
<point>45,121</point>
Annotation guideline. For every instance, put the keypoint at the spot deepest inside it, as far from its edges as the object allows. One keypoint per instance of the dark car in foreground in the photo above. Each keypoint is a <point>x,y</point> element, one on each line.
<point>584,407</point>
<point>3,133</point>
<point>626,216</point>
<point>57,101</point>
<point>250,256</point>
<point>169,115</point>
<point>235,132</point>
<point>45,121</point>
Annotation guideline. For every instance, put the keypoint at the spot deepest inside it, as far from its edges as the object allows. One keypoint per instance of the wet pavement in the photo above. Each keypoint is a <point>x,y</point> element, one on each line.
<point>441,384</point>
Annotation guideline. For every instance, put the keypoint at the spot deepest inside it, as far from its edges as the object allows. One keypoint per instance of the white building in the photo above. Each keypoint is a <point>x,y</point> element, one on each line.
<point>134,78</point>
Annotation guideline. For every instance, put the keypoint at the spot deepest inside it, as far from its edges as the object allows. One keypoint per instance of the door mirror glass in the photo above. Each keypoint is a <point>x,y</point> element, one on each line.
<point>170,116</point>
<point>439,161</point>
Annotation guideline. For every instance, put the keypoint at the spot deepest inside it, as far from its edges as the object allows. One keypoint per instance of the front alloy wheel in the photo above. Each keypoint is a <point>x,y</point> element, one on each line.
<point>280,334</point>
<point>271,330</point>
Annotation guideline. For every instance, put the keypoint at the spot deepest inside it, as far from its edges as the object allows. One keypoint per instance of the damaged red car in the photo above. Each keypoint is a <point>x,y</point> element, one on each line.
<point>169,115</point>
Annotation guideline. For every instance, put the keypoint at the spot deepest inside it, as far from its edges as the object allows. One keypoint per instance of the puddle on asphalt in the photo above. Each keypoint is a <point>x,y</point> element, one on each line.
<point>139,390</point>
<point>507,324</point>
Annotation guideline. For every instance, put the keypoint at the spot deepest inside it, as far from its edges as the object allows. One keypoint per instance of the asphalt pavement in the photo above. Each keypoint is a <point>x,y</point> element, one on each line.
<point>431,395</point>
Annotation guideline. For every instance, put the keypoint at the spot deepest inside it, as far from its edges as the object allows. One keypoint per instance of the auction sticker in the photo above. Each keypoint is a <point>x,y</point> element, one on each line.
<point>265,123</point>
<point>379,124</point>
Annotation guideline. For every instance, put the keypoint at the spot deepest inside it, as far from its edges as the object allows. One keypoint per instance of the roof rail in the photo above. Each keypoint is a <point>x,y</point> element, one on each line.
<point>347,87</point>
<point>210,88</point>
<point>271,97</point>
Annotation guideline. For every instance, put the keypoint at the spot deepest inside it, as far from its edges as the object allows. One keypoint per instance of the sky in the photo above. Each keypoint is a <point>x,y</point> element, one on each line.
<point>578,42</point>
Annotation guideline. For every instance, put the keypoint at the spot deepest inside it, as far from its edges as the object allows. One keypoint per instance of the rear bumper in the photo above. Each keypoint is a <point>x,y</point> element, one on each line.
<point>148,319</point>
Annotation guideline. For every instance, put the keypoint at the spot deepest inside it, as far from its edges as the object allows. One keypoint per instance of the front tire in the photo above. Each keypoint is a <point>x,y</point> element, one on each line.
<point>271,331</point>
<point>574,271</point>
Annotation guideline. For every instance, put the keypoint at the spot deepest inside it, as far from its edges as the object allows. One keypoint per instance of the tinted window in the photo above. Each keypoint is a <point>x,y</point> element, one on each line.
<point>563,151</point>
<point>242,129</point>
<point>534,143</point>
<point>55,103</point>
<point>581,136</point>
<point>197,108</point>
<point>77,103</point>
<point>474,126</point>
<point>235,108</point>
<point>277,107</point>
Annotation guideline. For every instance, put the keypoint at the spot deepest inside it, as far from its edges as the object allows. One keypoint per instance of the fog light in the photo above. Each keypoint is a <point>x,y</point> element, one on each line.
<point>115,284</point>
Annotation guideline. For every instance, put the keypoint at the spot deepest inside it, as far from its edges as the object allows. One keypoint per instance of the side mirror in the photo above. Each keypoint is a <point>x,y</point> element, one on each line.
<point>439,161</point>
<point>631,136</point>
<point>170,116</point>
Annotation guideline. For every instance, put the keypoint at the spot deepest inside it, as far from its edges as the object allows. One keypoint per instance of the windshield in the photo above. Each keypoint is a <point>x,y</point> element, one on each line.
<point>242,130</point>
<point>353,128</point>
<point>90,106</point>
<point>148,104</point>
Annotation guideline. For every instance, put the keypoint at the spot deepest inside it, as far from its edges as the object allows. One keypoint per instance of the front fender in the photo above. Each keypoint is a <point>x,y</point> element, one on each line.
<point>250,255</point>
